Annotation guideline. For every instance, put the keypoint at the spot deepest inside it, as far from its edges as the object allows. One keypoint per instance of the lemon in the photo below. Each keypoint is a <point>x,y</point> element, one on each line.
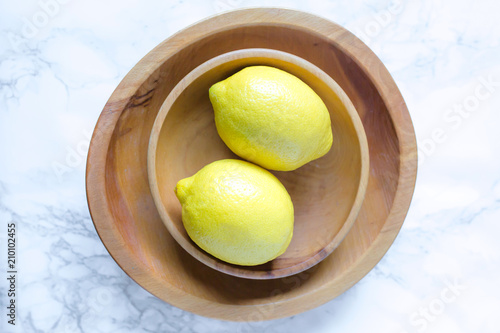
<point>272,118</point>
<point>237,211</point>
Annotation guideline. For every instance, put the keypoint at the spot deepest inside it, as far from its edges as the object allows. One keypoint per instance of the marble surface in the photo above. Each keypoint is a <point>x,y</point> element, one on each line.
<point>61,59</point>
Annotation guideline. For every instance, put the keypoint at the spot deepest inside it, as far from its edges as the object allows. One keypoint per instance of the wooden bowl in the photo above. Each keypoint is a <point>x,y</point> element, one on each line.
<point>124,212</point>
<point>327,193</point>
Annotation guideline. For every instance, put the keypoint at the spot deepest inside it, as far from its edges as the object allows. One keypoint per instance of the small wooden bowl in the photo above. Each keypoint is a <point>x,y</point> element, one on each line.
<point>123,209</point>
<point>327,193</point>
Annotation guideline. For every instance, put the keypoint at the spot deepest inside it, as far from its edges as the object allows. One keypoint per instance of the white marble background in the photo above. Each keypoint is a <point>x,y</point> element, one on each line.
<point>58,69</point>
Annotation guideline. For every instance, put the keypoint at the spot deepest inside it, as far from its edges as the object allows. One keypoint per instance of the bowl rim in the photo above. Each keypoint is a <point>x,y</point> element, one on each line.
<point>362,177</point>
<point>375,71</point>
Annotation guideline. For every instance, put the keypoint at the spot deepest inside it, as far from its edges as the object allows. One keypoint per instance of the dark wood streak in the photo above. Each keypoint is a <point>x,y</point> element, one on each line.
<point>136,101</point>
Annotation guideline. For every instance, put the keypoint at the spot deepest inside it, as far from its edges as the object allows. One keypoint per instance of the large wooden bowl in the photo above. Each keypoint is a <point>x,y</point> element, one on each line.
<point>123,209</point>
<point>326,193</point>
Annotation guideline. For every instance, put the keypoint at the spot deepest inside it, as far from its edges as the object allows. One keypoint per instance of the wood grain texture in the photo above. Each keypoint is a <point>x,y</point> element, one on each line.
<point>123,209</point>
<point>327,193</point>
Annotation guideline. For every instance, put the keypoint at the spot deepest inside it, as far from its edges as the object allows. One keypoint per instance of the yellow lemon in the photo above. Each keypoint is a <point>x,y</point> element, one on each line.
<point>237,211</point>
<point>272,118</point>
